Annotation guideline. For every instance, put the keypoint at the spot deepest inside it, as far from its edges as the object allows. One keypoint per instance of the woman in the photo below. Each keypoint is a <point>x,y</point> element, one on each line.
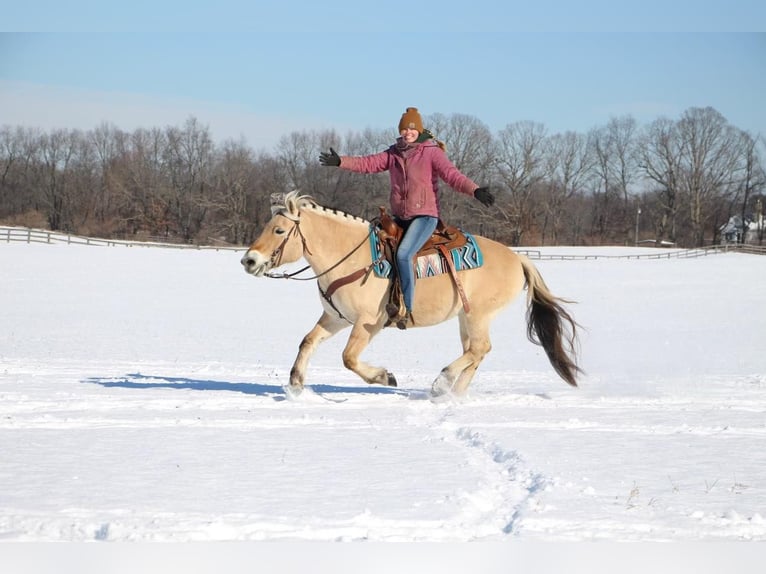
<point>415,163</point>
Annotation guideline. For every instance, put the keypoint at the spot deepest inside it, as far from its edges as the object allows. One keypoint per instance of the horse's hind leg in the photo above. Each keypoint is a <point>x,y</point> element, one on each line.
<point>484,344</point>
<point>361,335</point>
<point>474,336</point>
<point>326,327</point>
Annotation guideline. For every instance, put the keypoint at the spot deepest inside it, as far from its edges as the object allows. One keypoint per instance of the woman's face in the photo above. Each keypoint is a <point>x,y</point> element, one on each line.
<point>409,135</point>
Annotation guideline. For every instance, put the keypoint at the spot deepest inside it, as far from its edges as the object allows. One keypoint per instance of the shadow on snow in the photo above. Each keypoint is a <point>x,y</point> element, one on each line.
<point>277,392</point>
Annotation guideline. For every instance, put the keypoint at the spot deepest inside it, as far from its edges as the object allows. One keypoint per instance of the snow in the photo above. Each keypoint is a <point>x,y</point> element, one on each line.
<point>141,400</point>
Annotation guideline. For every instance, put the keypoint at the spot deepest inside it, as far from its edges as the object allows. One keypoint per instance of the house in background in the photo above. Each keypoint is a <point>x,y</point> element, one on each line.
<point>737,228</point>
<point>733,230</point>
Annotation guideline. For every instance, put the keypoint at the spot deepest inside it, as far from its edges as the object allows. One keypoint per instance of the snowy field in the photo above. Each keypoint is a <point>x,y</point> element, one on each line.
<point>141,400</point>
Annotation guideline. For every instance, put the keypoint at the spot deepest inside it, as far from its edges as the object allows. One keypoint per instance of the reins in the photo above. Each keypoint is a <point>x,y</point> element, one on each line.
<point>276,257</point>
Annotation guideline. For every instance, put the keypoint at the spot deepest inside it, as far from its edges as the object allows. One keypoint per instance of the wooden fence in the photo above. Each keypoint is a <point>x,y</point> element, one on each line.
<point>660,253</point>
<point>28,235</point>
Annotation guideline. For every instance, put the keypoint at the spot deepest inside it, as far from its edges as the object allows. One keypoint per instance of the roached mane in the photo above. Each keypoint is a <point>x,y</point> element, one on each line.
<point>291,203</point>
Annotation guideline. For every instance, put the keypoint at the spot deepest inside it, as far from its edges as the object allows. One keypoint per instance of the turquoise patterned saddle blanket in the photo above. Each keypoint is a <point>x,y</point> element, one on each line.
<point>467,256</point>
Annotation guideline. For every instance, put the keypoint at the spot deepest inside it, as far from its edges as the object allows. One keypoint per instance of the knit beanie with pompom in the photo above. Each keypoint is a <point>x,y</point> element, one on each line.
<point>411,120</point>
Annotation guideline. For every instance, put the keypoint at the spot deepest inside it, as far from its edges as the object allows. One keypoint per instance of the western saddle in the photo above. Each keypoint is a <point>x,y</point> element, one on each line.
<point>444,239</point>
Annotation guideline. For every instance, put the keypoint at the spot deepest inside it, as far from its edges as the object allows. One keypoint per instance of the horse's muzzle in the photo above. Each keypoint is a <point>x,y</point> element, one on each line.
<point>254,264</point>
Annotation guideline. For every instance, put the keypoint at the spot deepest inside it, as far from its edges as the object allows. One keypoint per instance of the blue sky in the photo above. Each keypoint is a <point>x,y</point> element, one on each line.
<point>261,72</point>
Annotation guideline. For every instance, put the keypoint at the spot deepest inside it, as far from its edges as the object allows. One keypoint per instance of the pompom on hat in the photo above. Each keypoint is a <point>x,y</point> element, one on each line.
<point>411,120</point>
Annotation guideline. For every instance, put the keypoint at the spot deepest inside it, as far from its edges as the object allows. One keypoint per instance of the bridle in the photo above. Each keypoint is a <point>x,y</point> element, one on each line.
<point>276,259</point>
<point>276,255</point>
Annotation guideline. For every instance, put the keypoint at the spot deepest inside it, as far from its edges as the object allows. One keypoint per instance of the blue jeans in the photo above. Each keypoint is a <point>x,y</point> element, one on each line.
<point>416,233</point>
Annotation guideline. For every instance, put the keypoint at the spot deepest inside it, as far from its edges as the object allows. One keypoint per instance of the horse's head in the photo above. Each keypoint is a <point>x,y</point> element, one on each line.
<point>281,240</point>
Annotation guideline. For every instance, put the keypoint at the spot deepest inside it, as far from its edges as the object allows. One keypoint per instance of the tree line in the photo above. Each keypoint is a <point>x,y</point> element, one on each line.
<point>675,180</point>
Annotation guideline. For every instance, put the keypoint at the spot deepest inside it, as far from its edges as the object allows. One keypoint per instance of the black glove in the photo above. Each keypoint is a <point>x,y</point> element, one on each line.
<point>484,195</point>
<point>329,159</point>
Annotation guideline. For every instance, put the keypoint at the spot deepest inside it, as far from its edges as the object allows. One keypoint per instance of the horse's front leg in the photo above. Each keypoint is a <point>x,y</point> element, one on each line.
<point>361,335</point>
<point>326,327</point>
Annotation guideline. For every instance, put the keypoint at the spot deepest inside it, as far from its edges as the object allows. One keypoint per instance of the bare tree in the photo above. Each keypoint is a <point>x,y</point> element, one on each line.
<point>19,155</point>
<point>58,151</point>
<point>232,198</point>
<point>753,183</point>
<point>109,147</point>
<point>296,152</point>
<point>521,169</point>
<point>616,166</point>
<point>710,157</point>
<point>660,157</point>
<point>85,186</point>
<point>568,167</point>
<point>189,155</point>
<point>145,201</point>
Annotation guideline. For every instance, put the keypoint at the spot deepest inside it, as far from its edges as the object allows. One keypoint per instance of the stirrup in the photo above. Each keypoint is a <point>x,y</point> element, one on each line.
<point>392,310</point>
<point>401,323</point>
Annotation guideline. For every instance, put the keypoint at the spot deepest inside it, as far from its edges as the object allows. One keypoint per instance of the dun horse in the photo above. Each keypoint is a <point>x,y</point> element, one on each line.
<point>336,247</point>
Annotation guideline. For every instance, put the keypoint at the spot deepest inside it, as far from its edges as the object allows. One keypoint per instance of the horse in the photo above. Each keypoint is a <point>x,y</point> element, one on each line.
<point>335,245</point>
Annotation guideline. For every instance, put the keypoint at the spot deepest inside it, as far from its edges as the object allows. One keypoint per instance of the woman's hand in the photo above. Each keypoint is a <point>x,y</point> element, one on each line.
<point>484,195</point>
<point>329,159</point>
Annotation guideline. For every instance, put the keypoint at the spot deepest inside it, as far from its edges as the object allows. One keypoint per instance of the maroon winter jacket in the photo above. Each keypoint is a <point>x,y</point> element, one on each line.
<point>414,181</point>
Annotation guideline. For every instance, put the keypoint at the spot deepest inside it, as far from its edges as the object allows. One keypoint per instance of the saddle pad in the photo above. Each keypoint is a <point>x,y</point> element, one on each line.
<point>469,256</point>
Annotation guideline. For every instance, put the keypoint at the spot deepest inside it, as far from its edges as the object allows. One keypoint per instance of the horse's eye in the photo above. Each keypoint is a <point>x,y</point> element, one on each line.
<point>279,231</point>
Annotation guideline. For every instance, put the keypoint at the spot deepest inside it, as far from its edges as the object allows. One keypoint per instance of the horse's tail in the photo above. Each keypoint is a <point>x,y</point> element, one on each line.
<point>550,325</point>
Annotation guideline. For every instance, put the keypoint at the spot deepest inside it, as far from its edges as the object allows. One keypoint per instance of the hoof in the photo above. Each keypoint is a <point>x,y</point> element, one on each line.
<point>441,387</point>
<point>293,391</point>
<point>391,380</point>
<point>443,394</point>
